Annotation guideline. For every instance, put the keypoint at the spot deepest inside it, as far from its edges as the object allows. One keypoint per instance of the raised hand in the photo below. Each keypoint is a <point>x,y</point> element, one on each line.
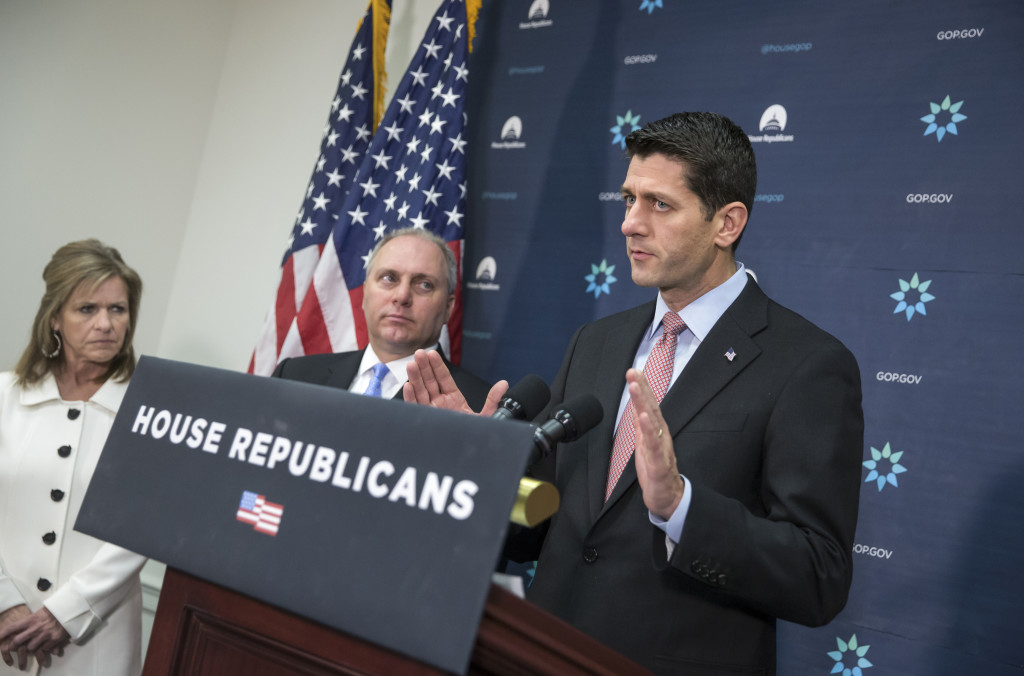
<point>431,384</point>
<point>655,455</point>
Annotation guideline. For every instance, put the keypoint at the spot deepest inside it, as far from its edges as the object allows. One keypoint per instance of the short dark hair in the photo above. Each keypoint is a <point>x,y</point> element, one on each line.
<point>88,262</point>
<point>720,160</point>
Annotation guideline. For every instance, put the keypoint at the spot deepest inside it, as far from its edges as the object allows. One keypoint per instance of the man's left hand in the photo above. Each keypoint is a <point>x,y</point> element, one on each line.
<point>431,384</point>
<point>655,455</point>
<point>40,634</point>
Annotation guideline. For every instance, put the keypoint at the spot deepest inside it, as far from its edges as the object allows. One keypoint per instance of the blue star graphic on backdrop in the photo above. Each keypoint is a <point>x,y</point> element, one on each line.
<point>906,303</point>
<point>938,110</point>
<point>877,472</point>
<point>840,657</point>
<point>650,5</point>
<point>624,125</point>
<point>600,278</point>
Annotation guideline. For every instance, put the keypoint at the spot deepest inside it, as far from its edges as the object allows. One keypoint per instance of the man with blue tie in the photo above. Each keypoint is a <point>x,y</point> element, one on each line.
<point>408,296</point>
<point>720,492</point>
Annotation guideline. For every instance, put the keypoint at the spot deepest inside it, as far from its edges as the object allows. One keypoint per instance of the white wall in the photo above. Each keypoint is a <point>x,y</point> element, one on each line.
<point>104,111</point>
<point>183,133</point>
<point>279,76</point>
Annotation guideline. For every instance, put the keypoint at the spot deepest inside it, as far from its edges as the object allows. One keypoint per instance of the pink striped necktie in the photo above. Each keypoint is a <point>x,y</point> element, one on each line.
<point>658,372</point>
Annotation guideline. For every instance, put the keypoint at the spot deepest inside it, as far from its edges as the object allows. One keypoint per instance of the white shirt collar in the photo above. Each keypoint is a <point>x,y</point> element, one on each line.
<point>396,367</point>
<point>109,395</point>
<point>702,314</point>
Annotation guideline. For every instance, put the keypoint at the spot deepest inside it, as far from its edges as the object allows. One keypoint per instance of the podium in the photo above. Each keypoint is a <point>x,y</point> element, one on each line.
<point>202,629</point>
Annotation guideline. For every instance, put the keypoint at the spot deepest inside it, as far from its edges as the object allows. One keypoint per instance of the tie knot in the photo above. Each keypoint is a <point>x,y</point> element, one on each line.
<point>380,370</point>
<point>673,323</point>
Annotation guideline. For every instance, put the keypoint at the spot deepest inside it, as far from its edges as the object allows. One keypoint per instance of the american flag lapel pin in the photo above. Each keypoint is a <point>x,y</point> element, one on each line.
<point>731,354</point>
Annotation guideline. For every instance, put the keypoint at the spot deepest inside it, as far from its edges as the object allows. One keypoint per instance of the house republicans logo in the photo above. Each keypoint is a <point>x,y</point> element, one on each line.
<point>538,15</point>
<point>510,133</point>
<point>773,123</point>
<point>911,297</point>
<point>943,118</point>
<point>486,272</point>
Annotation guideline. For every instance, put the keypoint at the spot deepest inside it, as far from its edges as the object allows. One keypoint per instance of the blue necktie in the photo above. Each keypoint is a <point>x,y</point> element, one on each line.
<point>376,379</point>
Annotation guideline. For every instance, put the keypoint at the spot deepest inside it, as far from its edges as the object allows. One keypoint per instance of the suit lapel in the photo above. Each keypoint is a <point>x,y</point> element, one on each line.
<point>343,370</point>
<point>709,369</point>
<point>616,358</point>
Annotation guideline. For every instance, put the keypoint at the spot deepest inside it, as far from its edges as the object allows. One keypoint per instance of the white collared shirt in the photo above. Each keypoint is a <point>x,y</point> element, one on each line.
<point>393,381</point>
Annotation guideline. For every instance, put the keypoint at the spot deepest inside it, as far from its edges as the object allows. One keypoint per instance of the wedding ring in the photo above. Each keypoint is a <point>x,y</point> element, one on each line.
<point>660,430</point>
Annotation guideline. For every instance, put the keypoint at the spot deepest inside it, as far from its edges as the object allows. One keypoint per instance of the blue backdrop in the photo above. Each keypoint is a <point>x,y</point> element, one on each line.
<point>887,136</point>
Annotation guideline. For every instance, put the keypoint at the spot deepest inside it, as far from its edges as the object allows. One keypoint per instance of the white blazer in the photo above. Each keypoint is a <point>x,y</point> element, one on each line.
<point>48,451</point>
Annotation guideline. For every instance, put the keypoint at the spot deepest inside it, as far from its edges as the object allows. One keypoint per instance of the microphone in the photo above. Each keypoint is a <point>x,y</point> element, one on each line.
<point>572,419</point>
<point>524,400</point>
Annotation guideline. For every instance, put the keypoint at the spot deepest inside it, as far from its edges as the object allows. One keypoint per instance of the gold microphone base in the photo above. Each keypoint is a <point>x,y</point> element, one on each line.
<point>535,502</point>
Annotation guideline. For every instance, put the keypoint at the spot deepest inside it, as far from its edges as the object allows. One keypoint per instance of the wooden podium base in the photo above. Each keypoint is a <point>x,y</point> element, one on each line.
<point>202,629</point>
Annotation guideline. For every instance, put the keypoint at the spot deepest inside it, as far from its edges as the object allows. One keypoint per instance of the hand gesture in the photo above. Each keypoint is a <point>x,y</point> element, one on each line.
<point>431,383</point>
<point>655,454</point>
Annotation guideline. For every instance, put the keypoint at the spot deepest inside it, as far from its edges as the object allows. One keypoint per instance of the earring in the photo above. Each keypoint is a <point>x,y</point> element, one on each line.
<point>56,350</point>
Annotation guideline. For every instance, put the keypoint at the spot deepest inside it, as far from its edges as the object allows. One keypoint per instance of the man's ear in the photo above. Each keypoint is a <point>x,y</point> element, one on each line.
<point>732,219</point>
<point>451,308</point>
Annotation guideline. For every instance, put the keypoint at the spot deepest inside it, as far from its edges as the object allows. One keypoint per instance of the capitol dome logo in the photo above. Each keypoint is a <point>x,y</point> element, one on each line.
<point>773,119</point>
<point>487,269</point>
<point>537,15</point>
<point>512,129</point>
<point>486,272</point>
<point>773,122</point>
<point>510,133</point>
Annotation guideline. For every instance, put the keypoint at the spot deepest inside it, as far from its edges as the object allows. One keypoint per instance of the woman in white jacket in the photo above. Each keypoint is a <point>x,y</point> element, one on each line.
<point>69,603</point>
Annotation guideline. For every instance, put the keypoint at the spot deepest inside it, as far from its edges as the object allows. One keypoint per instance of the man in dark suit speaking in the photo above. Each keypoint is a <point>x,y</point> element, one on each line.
<point>408,297</point>
<point>720,491</point>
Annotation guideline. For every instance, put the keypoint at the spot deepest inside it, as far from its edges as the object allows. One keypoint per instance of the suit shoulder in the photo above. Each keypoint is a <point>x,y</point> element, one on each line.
<point>641,314</point>
<point>301,367</point>
<point>795,323</point>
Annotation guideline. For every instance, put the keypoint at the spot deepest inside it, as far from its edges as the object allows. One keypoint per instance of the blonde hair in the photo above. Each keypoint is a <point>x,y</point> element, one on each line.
<point>86,262</point>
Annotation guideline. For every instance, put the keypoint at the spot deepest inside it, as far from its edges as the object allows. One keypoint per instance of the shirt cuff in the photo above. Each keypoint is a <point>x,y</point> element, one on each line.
<point>72,611</point>
<point>673,528</point>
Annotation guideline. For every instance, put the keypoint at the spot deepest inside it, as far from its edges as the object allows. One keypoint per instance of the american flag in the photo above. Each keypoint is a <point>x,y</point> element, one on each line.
<point>413,175</point>
<point>356,108</point>
<point>256,510</point>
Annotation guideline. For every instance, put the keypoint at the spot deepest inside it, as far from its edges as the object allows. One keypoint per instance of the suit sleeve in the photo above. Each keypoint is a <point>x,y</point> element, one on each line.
<point>94,591</point>
<point>794,559</point>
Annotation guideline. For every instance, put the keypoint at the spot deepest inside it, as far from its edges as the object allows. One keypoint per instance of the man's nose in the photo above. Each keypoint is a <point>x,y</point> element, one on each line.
<point>635,221</point>
<point>403,293</point>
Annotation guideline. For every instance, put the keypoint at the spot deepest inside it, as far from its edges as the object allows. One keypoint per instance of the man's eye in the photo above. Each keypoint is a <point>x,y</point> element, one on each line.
<point>659,204</point>
<point>629,200</point>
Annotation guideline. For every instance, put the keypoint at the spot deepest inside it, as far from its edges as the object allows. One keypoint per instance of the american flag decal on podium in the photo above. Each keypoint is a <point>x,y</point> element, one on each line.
<point>264,516</point>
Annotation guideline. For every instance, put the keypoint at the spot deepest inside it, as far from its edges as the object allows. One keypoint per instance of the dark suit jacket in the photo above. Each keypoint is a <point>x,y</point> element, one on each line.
<point>339,370</point>
<point>771,442</point>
